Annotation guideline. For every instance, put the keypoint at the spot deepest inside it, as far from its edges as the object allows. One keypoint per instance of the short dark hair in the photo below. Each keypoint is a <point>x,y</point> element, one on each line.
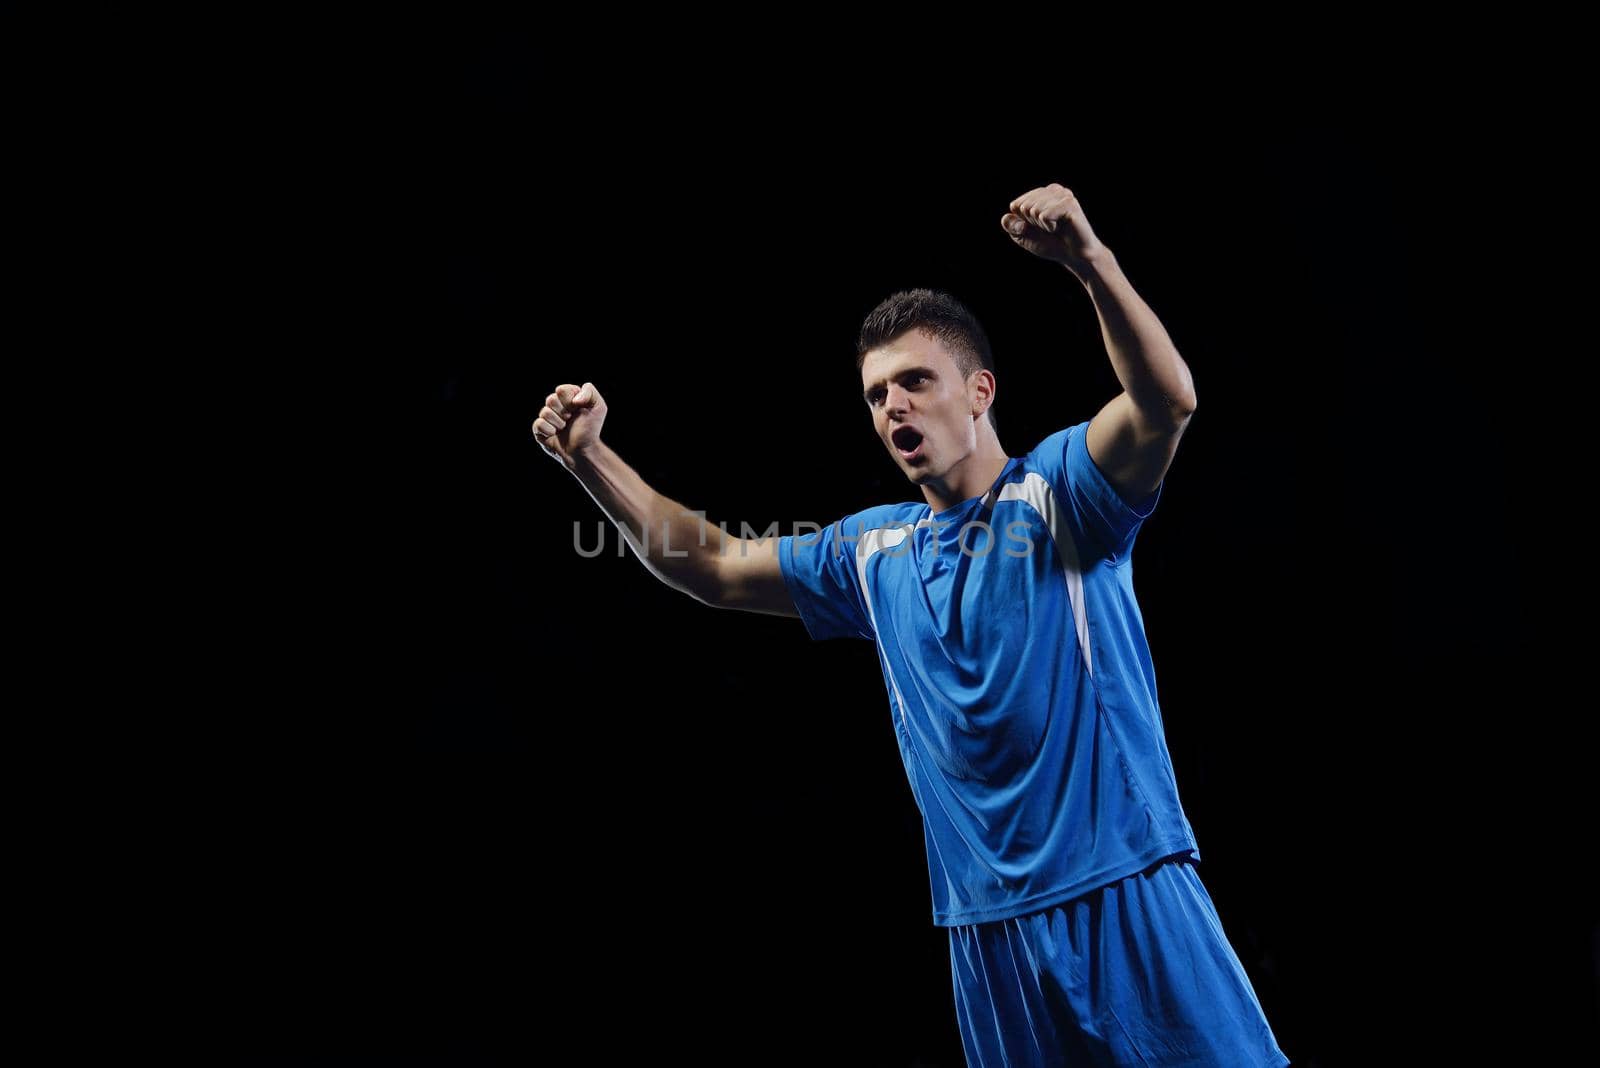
<point>936,314</point>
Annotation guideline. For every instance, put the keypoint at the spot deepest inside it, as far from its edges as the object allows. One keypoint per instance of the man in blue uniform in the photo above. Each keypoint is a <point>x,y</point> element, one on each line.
<point>1018,676</point>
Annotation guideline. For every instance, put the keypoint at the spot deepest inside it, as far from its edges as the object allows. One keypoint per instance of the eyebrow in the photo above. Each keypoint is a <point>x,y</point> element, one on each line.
<point>866,394</point>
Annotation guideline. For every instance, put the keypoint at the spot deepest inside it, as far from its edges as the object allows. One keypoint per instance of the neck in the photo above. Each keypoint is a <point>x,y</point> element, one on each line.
<point>969,478</point>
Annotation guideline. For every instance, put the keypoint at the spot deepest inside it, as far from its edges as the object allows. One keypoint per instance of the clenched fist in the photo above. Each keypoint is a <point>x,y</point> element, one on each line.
<point>570,421</point>
<point>1049,222</point>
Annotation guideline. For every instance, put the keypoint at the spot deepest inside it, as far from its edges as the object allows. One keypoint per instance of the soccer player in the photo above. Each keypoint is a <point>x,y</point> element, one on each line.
<point>1015,663</point>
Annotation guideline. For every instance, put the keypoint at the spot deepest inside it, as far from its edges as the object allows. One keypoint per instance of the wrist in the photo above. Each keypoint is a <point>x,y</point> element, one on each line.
<point>584,458</point>
<point>1095,261</point>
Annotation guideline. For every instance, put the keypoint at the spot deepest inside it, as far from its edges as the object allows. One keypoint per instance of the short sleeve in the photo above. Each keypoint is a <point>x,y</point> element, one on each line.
<point>1109,519</point>
<point>820,571</point>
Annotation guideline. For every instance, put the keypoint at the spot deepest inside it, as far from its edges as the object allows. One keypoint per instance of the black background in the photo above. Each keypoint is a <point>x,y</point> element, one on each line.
<point>489,799</point>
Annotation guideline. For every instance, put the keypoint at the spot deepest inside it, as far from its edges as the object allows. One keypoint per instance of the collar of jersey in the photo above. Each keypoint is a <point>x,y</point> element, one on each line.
<point>986,497</point>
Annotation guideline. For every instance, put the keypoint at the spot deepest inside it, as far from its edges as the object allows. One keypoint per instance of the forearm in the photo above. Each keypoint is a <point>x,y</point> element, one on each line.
<point>677,546</point>
<point>1145,360</point>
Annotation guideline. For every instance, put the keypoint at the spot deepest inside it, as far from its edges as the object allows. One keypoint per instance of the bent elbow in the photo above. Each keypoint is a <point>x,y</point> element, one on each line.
<point>708,589</point>
<point>1171,416</point>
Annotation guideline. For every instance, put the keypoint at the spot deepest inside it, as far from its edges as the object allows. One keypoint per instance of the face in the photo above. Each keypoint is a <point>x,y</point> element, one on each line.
<point>922,407</point>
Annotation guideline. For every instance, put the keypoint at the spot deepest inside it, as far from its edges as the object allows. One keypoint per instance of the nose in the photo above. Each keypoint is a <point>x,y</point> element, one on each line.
<point>896,401</point>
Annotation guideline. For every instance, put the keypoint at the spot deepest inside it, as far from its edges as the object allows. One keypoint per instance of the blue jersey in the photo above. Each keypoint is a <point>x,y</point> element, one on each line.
<point>1018,677</point>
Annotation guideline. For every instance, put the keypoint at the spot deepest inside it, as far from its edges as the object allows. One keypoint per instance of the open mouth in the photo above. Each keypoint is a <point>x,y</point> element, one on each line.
<point>907,441</point>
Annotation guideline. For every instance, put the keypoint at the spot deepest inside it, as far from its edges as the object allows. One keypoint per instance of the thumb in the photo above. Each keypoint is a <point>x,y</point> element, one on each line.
<point>1014,224</point>
<point>584,395</point>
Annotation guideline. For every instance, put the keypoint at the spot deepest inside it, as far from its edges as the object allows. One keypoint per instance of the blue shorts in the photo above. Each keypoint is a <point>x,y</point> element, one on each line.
<point>1138,972</point>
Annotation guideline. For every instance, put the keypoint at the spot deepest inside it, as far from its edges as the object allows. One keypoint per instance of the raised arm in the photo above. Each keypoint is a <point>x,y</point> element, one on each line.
<point>1135,436</point>
<point>676,545</point>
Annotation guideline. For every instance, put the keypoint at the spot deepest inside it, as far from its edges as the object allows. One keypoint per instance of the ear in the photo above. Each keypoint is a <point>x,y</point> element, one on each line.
<point>980,391</point>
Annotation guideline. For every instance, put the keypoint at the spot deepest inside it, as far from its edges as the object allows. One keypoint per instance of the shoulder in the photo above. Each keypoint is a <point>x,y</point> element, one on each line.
<point>1049,457</point>
<point>852,526</point>
<point>873,526</point>
<point>1055,444</point>
<point>886,515</point>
